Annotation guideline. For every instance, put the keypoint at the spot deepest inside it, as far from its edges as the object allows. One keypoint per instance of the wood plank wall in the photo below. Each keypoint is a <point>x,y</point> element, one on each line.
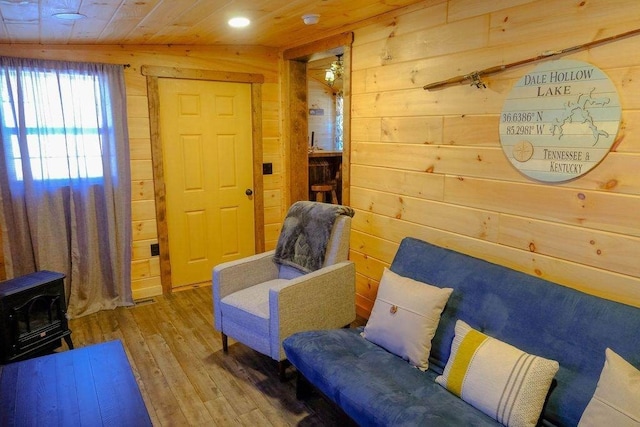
<point>145,274</point>
<point>429,163</point>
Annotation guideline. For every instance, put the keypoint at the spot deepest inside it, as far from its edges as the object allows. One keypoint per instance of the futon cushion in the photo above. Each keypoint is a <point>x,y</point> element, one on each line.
<point>535,315</point>
<point>373,386</point>
<point>497,378</point>
<point>405,317</point>
<point>616,401</point>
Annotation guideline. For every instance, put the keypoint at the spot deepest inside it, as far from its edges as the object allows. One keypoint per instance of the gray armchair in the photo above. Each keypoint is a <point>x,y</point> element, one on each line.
<point>261,300</point>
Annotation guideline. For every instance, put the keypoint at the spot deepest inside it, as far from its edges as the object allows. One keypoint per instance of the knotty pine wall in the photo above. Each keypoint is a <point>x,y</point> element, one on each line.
<point>430,164</point>
<point>145,274</point>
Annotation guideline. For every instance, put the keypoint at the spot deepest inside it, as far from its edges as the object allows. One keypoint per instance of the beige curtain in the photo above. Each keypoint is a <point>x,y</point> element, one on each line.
<point>65,178</point>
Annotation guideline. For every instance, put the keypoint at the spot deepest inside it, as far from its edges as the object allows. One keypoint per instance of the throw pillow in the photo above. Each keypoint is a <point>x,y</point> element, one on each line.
<point>616,401</point>
<point>497,378</point>
<point>405,317</point>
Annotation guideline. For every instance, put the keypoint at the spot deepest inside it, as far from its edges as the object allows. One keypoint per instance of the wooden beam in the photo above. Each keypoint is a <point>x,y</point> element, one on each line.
<point>258,186</point>
<point>195,74</point>
<point>158,182</point>
<point>346,127</point>
<point>298,132</point>
<point>304,51</point>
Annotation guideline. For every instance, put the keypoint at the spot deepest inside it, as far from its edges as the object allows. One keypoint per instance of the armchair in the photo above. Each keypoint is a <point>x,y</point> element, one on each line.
<point>262,299</point>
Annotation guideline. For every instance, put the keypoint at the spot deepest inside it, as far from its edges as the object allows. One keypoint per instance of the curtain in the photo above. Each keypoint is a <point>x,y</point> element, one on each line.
<point>65,178</point>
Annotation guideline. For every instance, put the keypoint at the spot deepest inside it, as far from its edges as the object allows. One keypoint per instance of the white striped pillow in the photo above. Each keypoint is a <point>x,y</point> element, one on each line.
<point>497,378</point>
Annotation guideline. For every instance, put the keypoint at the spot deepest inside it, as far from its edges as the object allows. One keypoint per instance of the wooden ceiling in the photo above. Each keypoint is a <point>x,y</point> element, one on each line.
<point>275,23</point>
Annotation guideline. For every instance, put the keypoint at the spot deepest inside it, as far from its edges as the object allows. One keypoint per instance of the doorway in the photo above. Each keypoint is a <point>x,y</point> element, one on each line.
<point>296,119</point>
<point>207,157</point>
<point>325,84</point>
<point>153,74</point>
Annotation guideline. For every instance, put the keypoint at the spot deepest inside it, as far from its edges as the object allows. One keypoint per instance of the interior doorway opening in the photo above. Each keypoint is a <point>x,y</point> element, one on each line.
<point>310,63</point>
<point>325,134</point>
<point>325,95</point>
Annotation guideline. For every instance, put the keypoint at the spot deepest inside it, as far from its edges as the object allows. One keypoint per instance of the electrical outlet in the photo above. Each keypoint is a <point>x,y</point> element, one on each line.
<point>155,249</point>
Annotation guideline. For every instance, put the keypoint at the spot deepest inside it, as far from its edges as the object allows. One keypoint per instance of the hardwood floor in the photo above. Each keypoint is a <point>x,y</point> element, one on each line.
<point>186,379</point>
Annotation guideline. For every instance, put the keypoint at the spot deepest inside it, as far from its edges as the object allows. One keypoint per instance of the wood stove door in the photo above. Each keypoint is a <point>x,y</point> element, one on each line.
<point>37,321</point>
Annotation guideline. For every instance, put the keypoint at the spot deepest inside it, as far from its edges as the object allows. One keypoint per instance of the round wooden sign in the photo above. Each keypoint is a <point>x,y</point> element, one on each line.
<point>560,120</point>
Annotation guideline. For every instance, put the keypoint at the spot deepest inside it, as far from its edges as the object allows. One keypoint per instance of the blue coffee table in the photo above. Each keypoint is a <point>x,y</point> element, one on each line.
<point>89,386</point>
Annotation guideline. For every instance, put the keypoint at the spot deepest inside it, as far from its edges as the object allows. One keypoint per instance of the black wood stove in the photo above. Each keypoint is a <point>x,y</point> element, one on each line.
<point>33,317</point>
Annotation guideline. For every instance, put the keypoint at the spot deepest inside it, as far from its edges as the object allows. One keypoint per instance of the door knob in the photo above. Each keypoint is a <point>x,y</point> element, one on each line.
<point>248,192</point>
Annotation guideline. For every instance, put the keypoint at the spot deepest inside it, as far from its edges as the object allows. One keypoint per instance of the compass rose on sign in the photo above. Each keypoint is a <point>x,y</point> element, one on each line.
<point>522,151</point>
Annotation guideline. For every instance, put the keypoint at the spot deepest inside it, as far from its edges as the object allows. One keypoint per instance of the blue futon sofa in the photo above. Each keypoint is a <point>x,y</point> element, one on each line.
<point>375,387</point>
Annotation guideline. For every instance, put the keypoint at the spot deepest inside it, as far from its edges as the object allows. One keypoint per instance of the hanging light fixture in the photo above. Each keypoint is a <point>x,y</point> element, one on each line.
<point>335,72</point>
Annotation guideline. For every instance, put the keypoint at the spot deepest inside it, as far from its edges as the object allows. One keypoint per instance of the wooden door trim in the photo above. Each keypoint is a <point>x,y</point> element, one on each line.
<point>304,51</point>
<point>197,74</point>
<point>153,73</point>
<point>297,152</point>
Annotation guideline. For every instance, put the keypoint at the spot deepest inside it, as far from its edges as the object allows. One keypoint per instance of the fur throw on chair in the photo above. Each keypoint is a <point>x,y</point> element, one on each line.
<point>305,233</point>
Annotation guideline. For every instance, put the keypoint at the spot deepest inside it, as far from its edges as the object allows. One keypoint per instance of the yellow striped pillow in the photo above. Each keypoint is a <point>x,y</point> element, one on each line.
<point>497,378</point>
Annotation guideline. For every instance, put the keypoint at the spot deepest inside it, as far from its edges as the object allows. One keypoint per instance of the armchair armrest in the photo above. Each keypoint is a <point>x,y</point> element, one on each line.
<point>323,299</point>
<point>232,276</point>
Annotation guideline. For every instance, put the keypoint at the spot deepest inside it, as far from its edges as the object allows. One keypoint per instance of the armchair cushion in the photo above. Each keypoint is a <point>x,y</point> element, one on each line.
<point>246,314</point>
<point>234,276</point>
<point>254,300</point>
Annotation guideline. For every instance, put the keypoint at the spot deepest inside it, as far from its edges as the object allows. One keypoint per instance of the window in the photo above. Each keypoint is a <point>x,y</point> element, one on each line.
<point>60,119</point>
<point>65,179</point>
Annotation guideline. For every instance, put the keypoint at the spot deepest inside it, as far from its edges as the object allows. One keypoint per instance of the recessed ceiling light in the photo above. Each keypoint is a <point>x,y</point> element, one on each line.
<point>239,22</point>
<point>69,16</point>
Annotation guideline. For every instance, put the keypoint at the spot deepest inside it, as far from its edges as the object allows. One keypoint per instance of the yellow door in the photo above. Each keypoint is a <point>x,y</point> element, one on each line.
<point>207,155</point>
